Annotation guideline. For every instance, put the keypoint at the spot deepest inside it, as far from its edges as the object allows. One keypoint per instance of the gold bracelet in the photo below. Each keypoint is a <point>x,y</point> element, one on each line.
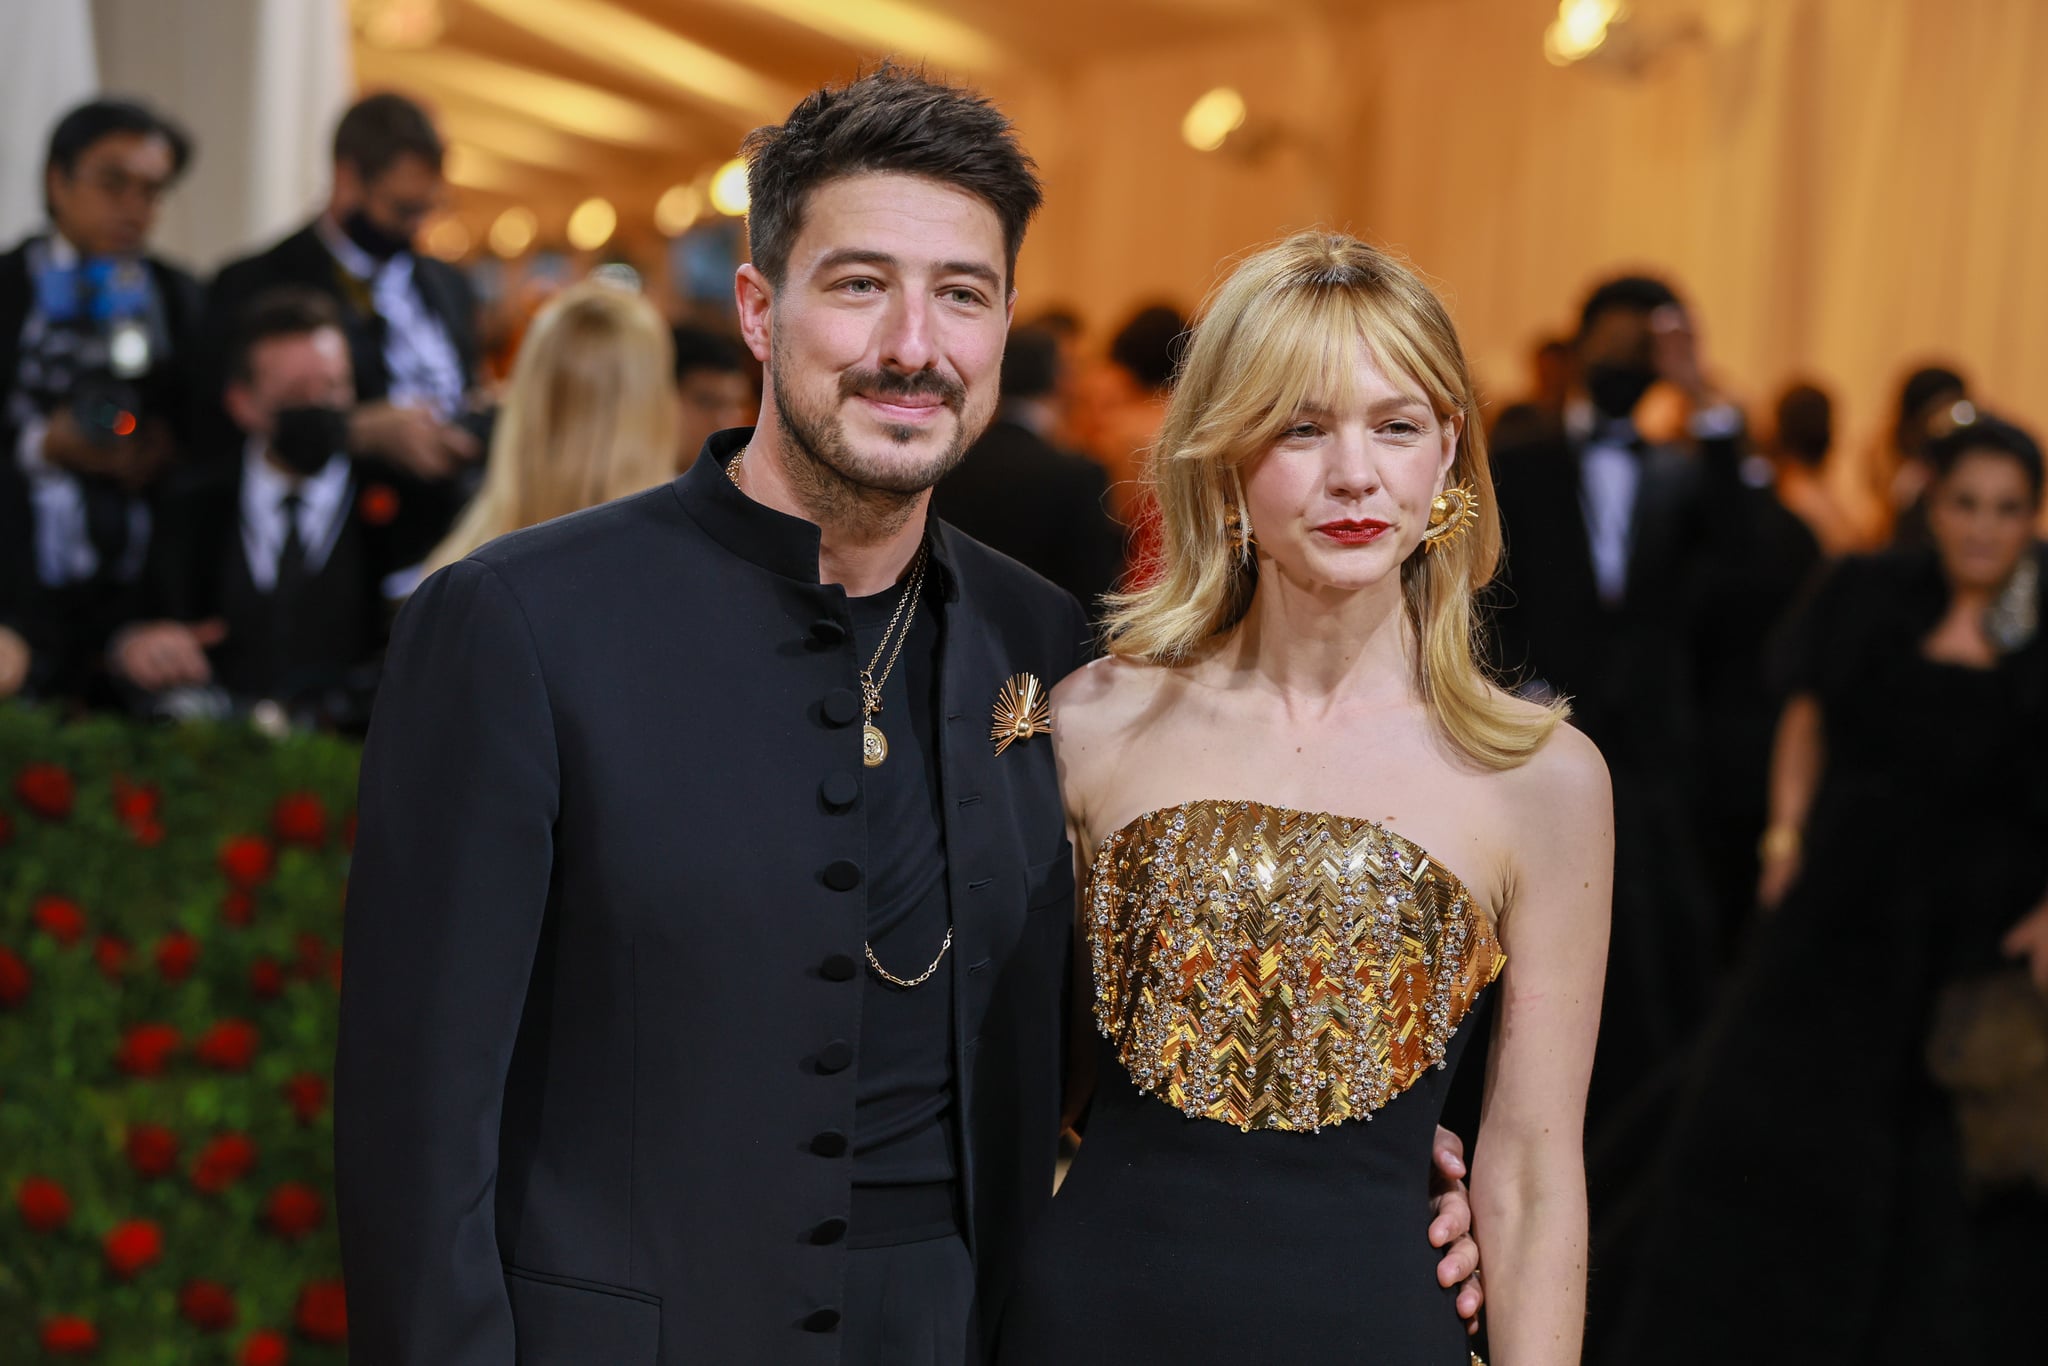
<point>1780,841</point>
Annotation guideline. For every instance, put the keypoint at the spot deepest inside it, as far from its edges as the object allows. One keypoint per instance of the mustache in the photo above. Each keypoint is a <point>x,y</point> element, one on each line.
<point>892,384</point>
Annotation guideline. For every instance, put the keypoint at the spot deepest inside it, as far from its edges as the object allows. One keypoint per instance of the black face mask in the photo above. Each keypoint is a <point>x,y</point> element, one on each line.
<point>1617,387</point>
<point>376,241</point>
<point>305,438</point>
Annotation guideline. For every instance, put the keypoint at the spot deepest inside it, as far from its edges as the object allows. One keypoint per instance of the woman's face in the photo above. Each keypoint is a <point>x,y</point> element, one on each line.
<point>1342,497</point>
<point>1982,517</point>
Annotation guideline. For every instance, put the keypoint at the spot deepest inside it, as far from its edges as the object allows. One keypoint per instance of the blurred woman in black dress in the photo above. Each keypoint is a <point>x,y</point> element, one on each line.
<point>1904,871</point>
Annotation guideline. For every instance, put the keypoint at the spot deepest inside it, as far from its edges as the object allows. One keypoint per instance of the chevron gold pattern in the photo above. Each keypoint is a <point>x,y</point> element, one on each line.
<point>1279,969</point>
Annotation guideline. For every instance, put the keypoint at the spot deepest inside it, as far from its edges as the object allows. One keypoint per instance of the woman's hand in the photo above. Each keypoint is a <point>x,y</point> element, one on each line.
<point>2028,940</point>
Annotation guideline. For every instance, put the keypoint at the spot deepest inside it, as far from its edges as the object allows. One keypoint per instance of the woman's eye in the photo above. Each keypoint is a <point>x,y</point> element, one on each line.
<point>1403,427</point>
<point>1303,431</point>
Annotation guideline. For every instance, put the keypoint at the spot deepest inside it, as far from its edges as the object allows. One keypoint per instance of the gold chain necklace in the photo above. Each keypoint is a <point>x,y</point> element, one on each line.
<point>874,746</point>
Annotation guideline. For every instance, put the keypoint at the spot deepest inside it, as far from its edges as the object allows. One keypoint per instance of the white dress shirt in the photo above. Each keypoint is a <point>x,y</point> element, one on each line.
<point>1611,477</point>
<point>419,356</point>
<point>323,507</point>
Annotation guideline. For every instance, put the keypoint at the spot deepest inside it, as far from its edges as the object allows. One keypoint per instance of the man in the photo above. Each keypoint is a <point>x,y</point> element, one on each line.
<point>712,387</point>
<point>1611,544</point>
<point>705,956</point>
<point>97,341</point>
<point>1017,492</point>
<point>410,320</point>
<point>266,578</point>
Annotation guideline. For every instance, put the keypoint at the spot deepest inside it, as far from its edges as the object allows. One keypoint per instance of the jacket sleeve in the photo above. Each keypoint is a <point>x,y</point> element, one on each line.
<point>447,892</point>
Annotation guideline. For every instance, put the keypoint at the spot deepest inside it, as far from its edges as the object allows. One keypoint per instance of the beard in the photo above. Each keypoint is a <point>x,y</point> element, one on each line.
<point>833,477</point>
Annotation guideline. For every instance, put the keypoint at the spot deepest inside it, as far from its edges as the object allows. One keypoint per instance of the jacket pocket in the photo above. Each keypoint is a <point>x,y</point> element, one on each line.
<point>563,1321</point>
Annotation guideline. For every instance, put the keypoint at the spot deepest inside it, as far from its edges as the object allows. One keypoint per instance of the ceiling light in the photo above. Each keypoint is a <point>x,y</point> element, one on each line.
<point>591,226</point>
<point>729,188</point>
<point>1213,118</point>
<point>514,232</point>
<point>678,208</point>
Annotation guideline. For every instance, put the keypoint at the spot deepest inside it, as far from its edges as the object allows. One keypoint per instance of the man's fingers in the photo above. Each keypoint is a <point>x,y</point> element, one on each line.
<point>1459,1263</point>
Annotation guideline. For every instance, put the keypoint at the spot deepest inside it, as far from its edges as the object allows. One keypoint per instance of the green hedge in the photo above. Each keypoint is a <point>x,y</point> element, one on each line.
<point>170,916</point>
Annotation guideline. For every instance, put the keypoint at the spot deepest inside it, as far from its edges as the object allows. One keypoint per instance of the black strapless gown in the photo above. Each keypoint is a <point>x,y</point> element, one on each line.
<point>1280,993</point>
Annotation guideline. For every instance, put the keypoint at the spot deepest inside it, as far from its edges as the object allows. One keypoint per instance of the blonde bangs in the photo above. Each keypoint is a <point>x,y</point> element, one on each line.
<point>1284,333</point>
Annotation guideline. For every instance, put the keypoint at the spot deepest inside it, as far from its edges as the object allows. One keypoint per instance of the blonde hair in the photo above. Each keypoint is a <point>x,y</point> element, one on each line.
<point>1285,332</point>
<point>589,415</point>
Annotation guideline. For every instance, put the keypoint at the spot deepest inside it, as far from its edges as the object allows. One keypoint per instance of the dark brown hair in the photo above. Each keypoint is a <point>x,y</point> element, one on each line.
<point>287,311</point>
<point>889,120</point>
<point>379,129</point>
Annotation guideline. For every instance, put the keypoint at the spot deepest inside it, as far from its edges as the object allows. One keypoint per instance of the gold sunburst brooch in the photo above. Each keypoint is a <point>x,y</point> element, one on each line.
<point>1022,711</point>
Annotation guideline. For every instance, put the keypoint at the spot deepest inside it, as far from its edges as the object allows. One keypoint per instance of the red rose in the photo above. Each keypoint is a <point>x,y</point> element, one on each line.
<point>146,1049</point>
<point>293,1210</point>
<point>132,1246</point>
<point>176,953</point>
<point>247,860</point>
<point>223,1162</point>
<point>266,979</point>
<point>46,790</point>
<point>68,1335</point>
<point>112,956</point>
<point>378,506</point>
<point>322,1314</point>
<point>300,819</point>
<point>60,918</point>
<point>207,1305</point>
<point>15,979</point>
<point>149,834</point>
<point>136,808</point>
<point>238,907</point>
<point>311,958</point>
<point>307,1093</point>
<point>152,1150</point>
<point>265,1349</point>
<point>43,1204</point>
<point>230,1046</point>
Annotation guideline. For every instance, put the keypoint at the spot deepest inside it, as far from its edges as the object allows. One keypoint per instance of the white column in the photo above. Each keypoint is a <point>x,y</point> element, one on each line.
<point>46,66</point>
<point>258,84</point>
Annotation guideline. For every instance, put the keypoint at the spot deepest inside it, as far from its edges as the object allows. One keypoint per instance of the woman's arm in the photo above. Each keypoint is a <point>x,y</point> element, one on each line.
<point>1797,757</point>
<point>1529,1174</point>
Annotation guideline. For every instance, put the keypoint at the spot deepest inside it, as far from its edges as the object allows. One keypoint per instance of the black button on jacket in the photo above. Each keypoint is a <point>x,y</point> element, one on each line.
<point>580,1115</point>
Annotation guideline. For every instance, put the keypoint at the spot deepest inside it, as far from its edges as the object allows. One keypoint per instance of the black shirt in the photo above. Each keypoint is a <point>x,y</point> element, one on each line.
<point>903,1102</point>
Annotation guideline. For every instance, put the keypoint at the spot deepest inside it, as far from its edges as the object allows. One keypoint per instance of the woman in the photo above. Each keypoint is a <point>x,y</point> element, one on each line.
<point>1904,868</point>
<point>1318,833</point>
<point>590,415</point>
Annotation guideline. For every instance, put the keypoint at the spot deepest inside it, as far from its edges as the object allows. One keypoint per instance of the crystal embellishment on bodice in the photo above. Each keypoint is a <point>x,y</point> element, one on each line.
<point>1279,969</point>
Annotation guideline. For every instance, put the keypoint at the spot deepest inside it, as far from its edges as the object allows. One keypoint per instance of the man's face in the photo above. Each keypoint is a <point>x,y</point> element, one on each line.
<point>107,204</point>
<point>310,369</point>
<point>884,342</point>
<point>399,199</point>
<point>711,401</point>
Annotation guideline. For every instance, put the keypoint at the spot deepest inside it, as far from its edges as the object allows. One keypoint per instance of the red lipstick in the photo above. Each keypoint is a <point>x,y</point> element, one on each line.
<point>1362,532</point>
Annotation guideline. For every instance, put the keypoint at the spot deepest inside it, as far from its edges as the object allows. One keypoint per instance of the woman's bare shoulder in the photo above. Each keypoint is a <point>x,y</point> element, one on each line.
<point>1105,697</point>
<point>1563,790</point>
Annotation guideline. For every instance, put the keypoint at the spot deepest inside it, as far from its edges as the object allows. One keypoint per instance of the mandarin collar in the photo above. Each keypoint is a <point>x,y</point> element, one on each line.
<point>757,533</point>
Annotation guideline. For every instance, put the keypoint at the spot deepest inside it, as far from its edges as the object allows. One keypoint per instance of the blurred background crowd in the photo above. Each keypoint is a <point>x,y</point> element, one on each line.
<point>326,296</point>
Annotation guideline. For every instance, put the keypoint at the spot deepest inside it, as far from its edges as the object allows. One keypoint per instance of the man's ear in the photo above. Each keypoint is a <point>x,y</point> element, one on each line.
<point>242,406</point>
<point>755,298</point>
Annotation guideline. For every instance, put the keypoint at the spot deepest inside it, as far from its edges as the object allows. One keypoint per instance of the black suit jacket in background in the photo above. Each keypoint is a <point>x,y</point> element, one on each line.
<point>199,531</point>
<point>1040,505</point>
<point>604,941</point>
<point>59,639</point>
<point>302,259</point>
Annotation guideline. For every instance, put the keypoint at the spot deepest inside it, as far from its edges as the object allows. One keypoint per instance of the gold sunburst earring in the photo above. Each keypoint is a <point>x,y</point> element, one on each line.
<point>1451,515</point>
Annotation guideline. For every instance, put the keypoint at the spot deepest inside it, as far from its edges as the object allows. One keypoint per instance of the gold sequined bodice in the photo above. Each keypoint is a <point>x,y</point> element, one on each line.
<point>1279,969</point>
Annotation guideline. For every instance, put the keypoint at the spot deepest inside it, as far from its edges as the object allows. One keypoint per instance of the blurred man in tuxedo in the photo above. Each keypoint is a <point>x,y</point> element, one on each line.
<point>96,344</point>
<point>713,387</point>
<point>266,579</point>
<point>1611,542</point>
<point>1018,492</point>
<point>410,320</point>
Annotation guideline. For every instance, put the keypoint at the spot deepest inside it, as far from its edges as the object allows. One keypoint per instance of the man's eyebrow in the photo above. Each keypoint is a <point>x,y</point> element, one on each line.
<point>866,256</point>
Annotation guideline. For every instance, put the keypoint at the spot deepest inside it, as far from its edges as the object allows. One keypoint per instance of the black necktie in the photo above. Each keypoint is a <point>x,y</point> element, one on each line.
<point>291,557</point>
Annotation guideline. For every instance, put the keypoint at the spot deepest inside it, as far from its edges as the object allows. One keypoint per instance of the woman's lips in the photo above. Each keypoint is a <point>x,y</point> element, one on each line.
<point>1353,533</point>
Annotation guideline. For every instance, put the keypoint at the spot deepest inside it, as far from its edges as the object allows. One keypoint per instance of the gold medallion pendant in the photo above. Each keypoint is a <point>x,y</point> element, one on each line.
<point>874,746</point>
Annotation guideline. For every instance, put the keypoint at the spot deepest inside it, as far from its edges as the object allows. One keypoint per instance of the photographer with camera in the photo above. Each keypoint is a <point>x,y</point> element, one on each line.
<point>97,341</point>
<point>266,581</point>
<point>410,320</point>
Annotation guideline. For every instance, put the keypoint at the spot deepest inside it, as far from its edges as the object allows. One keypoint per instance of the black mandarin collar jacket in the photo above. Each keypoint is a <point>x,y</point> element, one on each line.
<point>604,940</point>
